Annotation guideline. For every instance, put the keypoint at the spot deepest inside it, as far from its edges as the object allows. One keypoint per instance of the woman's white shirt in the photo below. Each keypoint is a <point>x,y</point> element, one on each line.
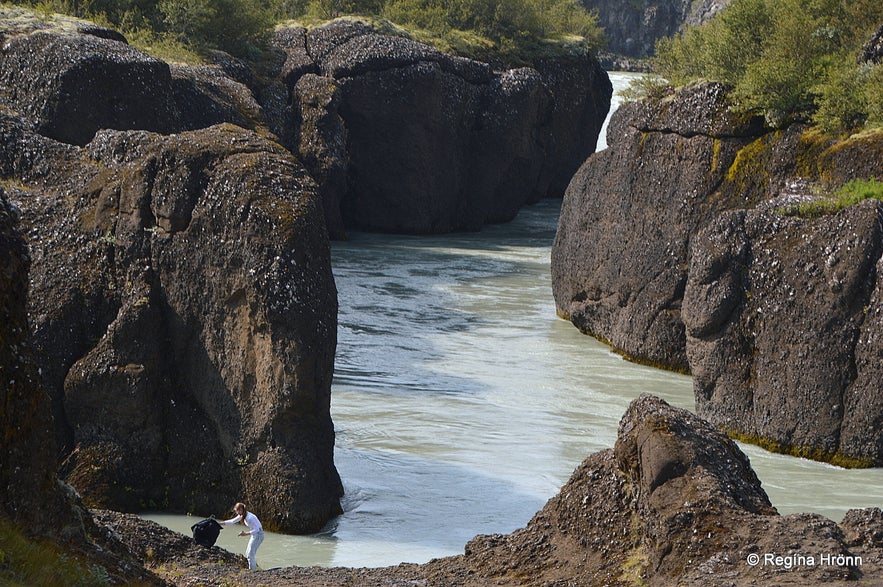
<point>251,522</point>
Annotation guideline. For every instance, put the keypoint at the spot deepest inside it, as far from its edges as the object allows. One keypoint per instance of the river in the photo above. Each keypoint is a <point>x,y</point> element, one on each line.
<point>462,403</point>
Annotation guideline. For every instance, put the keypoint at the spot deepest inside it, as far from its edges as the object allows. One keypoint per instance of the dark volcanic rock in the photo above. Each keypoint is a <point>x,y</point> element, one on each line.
<point>778,315</point>
<point>70,86</point>
<point>30,492</point>
<point>32,497</point>
<point>185,314</point>
<point>619,262</point>
<point>674,503</point>
<point>413,140</point>
<point>784,313</point>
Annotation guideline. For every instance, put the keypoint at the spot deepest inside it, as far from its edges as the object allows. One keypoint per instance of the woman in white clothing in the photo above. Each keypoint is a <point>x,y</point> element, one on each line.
<point>255,532</point>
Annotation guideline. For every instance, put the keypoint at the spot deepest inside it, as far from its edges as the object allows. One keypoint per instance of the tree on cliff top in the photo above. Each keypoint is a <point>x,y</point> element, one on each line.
<point>789,59</point>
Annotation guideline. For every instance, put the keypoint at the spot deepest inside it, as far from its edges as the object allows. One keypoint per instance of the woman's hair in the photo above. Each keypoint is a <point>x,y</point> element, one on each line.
<point>236,509</point>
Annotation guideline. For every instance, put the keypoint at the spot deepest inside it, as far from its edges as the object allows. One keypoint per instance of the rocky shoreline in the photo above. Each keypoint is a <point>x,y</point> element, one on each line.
<point>675,502</point>
<point>679,246</point>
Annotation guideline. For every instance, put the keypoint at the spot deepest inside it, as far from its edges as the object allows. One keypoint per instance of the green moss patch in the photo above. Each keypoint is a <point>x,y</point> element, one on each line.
<point>804,452</point>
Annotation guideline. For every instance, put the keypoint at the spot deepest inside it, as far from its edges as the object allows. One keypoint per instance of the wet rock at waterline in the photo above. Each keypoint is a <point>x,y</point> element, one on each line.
<point>619,262</point>
<point>674,502</point>
<point>775,314</point>
<point>783,316</point>
<point>185,317</point>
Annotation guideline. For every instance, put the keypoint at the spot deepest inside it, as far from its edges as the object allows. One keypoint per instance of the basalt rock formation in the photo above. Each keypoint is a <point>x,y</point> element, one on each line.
<point>619,261</point>
<point>33,501</point>
<point>185,314</point>
<point>408,139</point>
<point>31,494</point>
<point>675,502</point>
<point>632,28</point>
<point>182,300</point>
<point>681,247</point>
<point>784,314</point>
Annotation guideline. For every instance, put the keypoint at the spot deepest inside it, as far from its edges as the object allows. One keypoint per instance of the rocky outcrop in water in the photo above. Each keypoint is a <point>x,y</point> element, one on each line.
<point>675,502</point>
<point>182,300</point>
<point>632,28</point>
<point>185,315</point>
<point>784,313</point>
<point>684,220</point>
<point>619,262</point>
<point>181,293</point>
<point>408,139</point>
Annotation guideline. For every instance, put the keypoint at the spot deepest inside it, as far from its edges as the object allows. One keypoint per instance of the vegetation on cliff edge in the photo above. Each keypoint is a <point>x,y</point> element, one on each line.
<point>241,27</point>
<point>787,59</point>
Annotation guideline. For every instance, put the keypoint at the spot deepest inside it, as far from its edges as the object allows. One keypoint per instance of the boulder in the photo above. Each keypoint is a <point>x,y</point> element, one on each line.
<point>674,503</point>
<point>185,318</point>
<point>68,86</point>
<point>619,261</point>
<point>782,313</point>
<point>414,140</point>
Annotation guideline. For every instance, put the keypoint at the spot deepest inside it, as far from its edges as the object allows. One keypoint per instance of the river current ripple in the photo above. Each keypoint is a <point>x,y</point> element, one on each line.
<point>462,403</point>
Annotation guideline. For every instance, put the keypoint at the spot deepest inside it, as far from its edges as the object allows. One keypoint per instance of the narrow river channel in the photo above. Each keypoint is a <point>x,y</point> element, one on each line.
<point>462,403</point>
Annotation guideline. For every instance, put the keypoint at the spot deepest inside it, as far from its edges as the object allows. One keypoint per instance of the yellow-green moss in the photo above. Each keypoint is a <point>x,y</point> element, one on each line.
<point>634,567</point>
<point>806,452</point>
<point>810,145</point>
<point>637,360</point>
<point>715,155</point>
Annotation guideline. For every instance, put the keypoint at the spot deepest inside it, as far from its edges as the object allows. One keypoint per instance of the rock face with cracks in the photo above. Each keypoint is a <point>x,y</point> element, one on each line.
<point>682,245</point>
<point>185,312</point>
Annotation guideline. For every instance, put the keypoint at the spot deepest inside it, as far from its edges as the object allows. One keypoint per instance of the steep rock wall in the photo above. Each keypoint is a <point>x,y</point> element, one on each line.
<point>783,313</point>
<point>633,27</point>
<point>413,140</point>
<point>619,261</point>
<point>185,313</point>
<point>182,299</point>
<point>684,220</point>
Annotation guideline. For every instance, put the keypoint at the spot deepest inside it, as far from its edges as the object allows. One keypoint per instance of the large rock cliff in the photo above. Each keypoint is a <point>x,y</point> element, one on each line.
<point>619,261</point>
<point>36,509</point>
<point>182,299</point>
<point>185,316</point>
<point>408,139</point>
<point>677,245</point>
<point>633,27</point>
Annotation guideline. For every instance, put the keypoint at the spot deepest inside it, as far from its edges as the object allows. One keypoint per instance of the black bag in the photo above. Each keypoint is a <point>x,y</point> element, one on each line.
<point>206,532</point>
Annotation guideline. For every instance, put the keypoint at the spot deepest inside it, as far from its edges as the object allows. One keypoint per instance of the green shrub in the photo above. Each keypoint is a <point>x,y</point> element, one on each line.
<point>787,59</point>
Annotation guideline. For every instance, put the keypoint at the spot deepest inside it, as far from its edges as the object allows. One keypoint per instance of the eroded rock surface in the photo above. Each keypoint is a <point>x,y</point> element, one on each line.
<point>675,502</point>
<point>784,313</point>
<point>619,261</point>
<point>414,140</point>
<point>185,315</point>
<point>682,246</point>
